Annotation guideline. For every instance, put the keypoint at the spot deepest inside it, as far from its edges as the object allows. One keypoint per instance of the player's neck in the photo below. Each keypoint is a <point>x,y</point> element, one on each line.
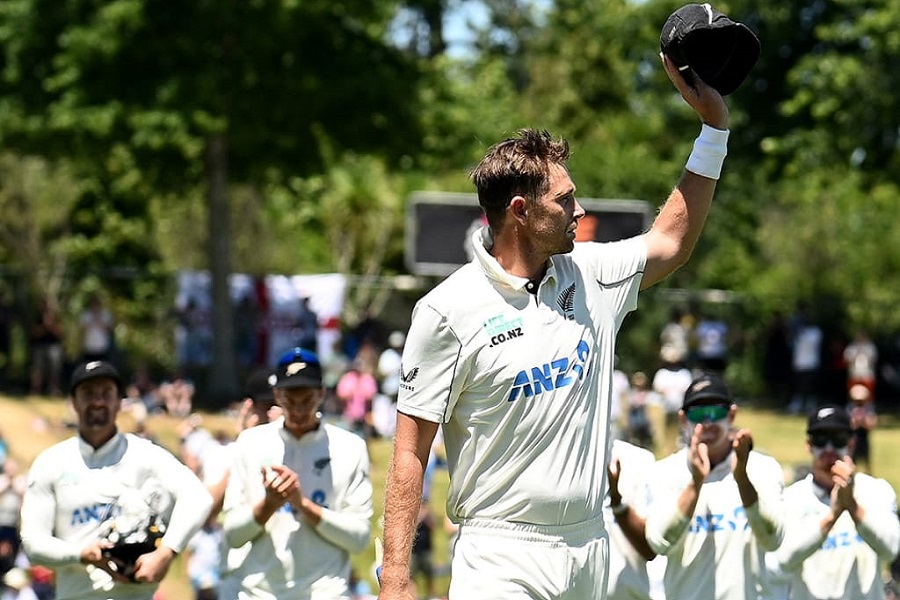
<point>517,257</point>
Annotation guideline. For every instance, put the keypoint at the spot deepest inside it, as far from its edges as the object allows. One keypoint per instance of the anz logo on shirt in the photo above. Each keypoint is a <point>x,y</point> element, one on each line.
<point>737,521</point>
<point>843,539</point>
<point>556,374</point>
<point>94,514</point>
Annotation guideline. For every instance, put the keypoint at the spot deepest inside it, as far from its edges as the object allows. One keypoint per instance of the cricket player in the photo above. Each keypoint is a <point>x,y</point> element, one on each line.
<point>714,507</point>
<point>102,485</point>
<point>841,528</point>
<point>299,493</point>
<point>513,356</point>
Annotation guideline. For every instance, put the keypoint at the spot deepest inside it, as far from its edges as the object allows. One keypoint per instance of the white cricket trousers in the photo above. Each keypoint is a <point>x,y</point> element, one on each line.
<point>494,560</point>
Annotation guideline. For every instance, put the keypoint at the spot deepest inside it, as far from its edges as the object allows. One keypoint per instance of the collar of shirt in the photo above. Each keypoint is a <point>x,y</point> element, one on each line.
<point>106,454</point>
<point>307,438</point>
<point>482,242</point>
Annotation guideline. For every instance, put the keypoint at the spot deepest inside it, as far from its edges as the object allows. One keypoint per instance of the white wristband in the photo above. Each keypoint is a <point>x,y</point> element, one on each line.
<point>709,152</point>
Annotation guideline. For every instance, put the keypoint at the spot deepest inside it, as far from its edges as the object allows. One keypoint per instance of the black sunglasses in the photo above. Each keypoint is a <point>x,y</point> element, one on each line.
<point>837,439</point>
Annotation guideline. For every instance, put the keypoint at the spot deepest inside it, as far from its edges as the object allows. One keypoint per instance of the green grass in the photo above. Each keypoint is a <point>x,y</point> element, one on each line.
<point>30,425</point>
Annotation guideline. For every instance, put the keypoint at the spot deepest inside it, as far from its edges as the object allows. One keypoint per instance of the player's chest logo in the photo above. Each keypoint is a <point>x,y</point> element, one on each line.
<point>566,302</point>
<point>553,375</point>
<point>501,329</point>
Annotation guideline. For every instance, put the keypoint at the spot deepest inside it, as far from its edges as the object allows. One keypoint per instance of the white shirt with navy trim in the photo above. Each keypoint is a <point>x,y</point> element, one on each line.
<point>521,381</point>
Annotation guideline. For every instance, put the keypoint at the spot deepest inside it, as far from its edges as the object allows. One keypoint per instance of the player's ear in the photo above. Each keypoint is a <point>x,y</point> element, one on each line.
<point>518,206</point>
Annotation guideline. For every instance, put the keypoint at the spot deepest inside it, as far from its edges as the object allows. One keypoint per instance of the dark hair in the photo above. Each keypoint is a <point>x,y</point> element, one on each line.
<point>516,166</point>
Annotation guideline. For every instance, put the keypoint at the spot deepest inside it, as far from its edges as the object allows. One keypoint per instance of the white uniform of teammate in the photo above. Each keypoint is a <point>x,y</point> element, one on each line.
<point>289,559</point>
<point>73,489</point>
<point>631,577</point>
<point>847,563</point>
<point>718,552</point>
<point>516,378</point>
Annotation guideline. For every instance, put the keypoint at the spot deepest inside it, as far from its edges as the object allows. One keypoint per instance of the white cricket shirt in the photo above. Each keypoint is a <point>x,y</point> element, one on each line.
<point>521,382</point>
<point>74,490</point>
<point>847,563</point>
<point>718,552</point>
<point>289,559</point>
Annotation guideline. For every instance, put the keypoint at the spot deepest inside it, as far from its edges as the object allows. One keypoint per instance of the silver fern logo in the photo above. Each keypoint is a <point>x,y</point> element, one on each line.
<point>566,302</point>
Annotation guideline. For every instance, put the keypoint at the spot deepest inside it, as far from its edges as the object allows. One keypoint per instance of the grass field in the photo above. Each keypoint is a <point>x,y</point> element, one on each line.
<point>29,425</point>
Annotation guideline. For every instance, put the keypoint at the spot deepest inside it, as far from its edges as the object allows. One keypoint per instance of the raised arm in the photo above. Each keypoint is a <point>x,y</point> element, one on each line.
<point>677,228</point>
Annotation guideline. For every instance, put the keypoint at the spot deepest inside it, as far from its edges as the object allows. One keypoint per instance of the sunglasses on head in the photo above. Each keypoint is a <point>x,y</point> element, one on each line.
<point>837,439</point>
<point>708,413</point>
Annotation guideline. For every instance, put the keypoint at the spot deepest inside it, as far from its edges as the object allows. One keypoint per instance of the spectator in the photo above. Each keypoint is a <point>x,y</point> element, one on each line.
<point>389,364</point>
<point>841,526</point>
<point>177,396</point>
<point>806,362</point>
<point>711,335</point>
<point>715,506</point>
<point>640,398</point>
<point>863,420</point>
<point>96,327</point>
<point>675,337</point>
<point>861,358</point>
<point>46,351</point>
<point>356,389</point>
<point>671,381</point>
<point>306,327</point>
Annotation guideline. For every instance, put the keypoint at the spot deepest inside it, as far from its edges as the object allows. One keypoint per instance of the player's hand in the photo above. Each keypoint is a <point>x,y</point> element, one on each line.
<point>742,444</point>
<point>152,567</point>
<point>699,457</point>
<point>280,484</point>
<point>92,554</point>
<point>613,470</point>
<point>705,100</point>
<point>843,472</point>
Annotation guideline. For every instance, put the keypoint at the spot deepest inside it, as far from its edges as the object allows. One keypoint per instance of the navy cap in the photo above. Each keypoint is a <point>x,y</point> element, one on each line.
<point>259,386</point>
<point>828,418</point>
<point>708,386</point>
<point>94,369</point>
<point>298,367</point>
<point>722,52</point>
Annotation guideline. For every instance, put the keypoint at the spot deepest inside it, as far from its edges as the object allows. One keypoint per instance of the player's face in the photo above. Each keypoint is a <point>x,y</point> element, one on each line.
<point>714,419</point>
<point>301,408</point>
<point>554,218</point>
<point>97,403</point>
<point>828,446</point>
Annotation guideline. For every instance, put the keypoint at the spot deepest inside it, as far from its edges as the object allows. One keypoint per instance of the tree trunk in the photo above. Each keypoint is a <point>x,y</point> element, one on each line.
<point>222,385</point>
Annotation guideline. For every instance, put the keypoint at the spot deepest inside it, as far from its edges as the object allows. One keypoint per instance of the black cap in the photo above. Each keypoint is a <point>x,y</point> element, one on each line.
<point>298,368</point>
<point>94,369</point>
<point>828,418</point>
<point>259,386</point>
<point>708,386</point>
<point>720,51</point>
